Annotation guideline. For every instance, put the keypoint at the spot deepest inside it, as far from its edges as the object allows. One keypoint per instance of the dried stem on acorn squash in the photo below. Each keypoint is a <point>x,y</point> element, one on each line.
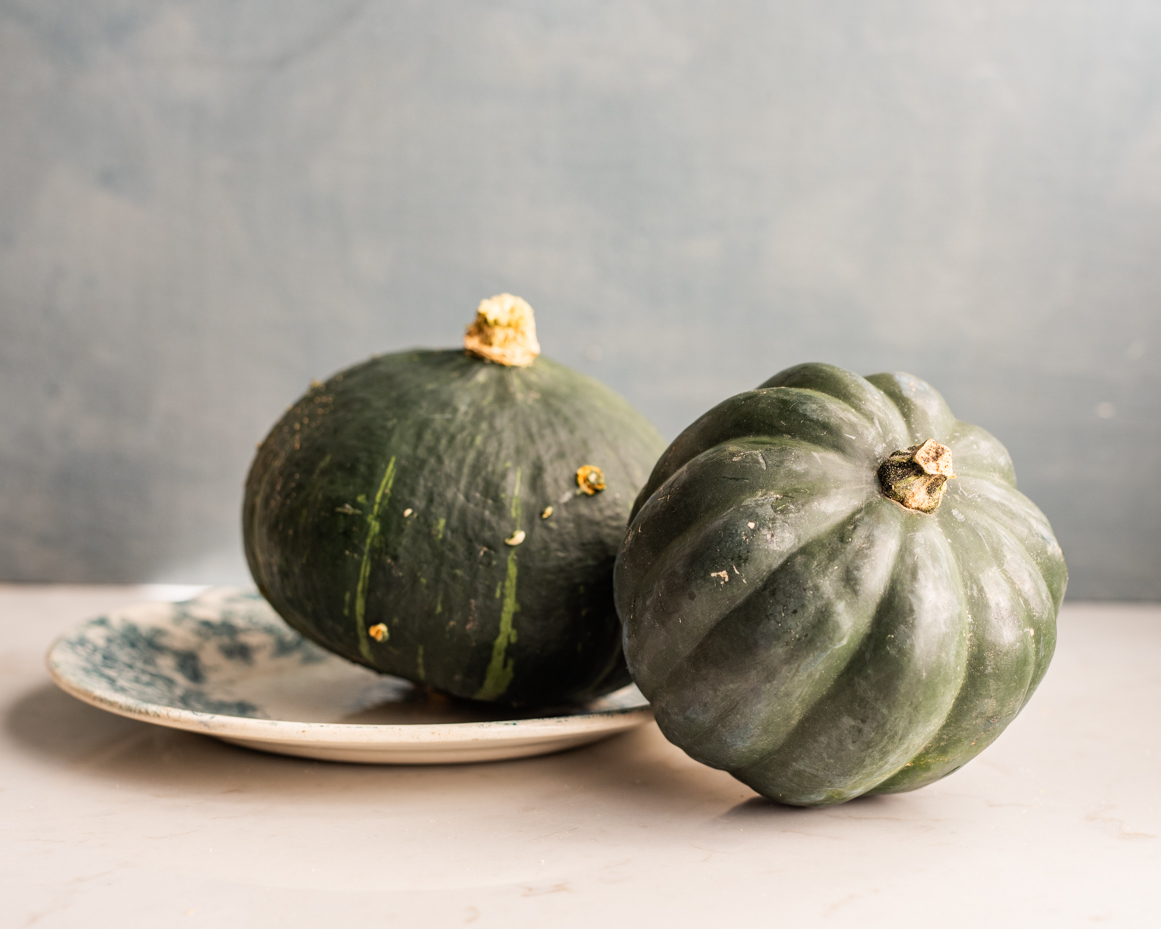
<point>915,476</point>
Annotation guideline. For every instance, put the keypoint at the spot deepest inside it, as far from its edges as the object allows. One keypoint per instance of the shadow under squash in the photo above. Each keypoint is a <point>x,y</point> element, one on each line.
<point>635,768</point>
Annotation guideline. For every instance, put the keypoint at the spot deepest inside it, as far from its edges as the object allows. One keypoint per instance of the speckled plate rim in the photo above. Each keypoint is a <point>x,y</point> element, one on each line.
<point>569,730</point>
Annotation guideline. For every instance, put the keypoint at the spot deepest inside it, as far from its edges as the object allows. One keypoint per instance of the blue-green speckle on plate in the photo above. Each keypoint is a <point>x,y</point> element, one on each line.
<point>224,664</point>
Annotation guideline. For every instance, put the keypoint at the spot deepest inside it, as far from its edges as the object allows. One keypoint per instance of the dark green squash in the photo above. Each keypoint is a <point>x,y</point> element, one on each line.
<point>796,623</point>
<point>422,514</point>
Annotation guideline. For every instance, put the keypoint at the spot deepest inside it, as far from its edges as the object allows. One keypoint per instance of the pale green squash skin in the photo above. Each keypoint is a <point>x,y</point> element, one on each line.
<point>852,645</point>
<point>387,494</point>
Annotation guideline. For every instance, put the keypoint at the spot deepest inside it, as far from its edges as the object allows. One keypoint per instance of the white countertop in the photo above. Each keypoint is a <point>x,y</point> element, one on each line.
<point>110,822</point>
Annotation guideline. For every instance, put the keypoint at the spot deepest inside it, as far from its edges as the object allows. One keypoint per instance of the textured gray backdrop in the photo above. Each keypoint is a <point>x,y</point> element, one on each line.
<point>204,205</point>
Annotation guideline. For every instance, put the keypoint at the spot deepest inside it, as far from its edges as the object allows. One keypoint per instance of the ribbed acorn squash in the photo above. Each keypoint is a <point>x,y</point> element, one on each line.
<point>452,517</point>
<point>831,586</point>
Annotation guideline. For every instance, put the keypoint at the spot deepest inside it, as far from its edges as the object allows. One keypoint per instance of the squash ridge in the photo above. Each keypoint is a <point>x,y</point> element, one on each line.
<point>705,433</point>
<point>1024,510</point>
<point>813,740</point>
<point>1041,662</point>
<point>697,734</point>
<point>806,377</point>
<point>649,577</point>
<point>733,605</point>
<point>956,694</point>
<point>838,681</point>
<point>965,465</point>
<point>1028,611</point>
<point>925,412</point>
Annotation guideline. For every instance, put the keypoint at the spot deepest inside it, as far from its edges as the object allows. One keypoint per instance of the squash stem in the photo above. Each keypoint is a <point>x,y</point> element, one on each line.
<point>915,476</point>
<point>504,331</point>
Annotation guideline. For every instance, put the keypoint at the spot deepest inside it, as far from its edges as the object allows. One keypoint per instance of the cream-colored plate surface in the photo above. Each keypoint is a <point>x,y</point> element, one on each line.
<point>226,665</point>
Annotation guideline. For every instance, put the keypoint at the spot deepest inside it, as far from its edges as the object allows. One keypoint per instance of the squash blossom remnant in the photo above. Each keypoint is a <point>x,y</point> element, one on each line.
<point>590,479</point>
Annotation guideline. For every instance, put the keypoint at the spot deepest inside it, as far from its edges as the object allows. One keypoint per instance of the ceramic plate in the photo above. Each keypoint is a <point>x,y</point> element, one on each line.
<point>226,665</point>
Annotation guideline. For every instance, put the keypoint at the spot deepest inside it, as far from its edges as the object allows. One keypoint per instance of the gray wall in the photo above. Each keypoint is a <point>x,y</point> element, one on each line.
<point>203,205</point>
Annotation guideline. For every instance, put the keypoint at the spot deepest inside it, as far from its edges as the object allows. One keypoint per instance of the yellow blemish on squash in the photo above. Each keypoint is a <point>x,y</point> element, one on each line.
<point>516,538</point>
<point>547,512</point>
<point>750,525</point>
<point>407,512</point>
<point>590,479</point>
<point>724,575</point>
<point>378,632</point>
